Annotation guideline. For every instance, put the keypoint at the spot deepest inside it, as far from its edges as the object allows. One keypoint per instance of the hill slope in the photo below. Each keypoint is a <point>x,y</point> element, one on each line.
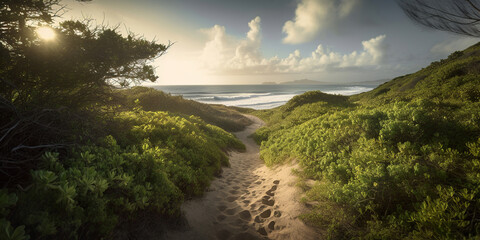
<point>154,100</point>
<point>399,162</point>
<point>453,78</point>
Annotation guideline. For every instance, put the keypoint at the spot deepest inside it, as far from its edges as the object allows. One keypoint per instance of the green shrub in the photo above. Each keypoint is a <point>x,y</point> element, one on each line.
<point>158,160</point>
<point>401,170</point>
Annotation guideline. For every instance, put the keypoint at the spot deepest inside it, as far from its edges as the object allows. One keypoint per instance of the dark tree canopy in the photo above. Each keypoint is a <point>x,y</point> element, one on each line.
<point>81,63</point>
<point>45,86</point>
<point>457,16</point>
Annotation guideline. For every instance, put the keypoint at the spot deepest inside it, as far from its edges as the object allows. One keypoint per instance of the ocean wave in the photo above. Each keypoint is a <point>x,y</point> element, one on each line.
<point>257,96</point>
<point>256,101</point>
<point>230,97</point>
<point>347,91</point>
<point>264,105</point>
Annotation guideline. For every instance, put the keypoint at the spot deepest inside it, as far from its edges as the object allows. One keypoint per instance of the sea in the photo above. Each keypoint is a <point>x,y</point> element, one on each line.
<point>256,96</point>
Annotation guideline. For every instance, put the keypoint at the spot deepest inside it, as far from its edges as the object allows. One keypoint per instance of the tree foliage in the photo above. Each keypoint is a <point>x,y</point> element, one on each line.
<point>462,17</point>
<point>48,85</point>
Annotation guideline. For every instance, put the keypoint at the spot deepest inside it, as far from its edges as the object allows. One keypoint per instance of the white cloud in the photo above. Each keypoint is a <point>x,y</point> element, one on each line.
<point>312,16</point>
<point>224,54</point>
<point>445,48</point>
<point>247,53</point>
<point>216,50</point>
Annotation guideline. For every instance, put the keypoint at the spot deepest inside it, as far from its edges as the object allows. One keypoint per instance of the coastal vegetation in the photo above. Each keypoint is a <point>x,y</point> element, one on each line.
<point>398,162</point>
<point>83,156</point>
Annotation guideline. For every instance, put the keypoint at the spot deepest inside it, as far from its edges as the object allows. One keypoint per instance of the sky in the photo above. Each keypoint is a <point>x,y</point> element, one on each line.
<point>255,41</point>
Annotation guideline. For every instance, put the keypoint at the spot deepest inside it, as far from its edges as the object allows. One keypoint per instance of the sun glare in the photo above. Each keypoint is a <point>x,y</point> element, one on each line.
<point>46,33</point>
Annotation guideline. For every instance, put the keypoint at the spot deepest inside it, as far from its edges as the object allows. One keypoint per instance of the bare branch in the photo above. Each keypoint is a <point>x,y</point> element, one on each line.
<point>457,16</point>
<point>38,146</point>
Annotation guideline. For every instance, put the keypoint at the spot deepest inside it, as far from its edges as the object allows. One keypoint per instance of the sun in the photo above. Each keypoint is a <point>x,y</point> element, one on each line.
<point>46,33</point>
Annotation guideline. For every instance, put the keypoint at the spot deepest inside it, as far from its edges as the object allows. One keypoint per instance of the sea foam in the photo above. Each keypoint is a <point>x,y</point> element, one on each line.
<point>255,96</point>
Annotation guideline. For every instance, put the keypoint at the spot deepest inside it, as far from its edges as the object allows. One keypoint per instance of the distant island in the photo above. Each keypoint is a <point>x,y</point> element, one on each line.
<point>269,83</point>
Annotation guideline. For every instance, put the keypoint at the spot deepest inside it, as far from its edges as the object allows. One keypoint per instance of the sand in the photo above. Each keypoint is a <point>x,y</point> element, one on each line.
<point>248,201</point>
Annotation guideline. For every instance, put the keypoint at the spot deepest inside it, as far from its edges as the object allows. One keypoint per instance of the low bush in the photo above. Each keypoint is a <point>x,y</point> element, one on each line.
<point>158,160</point>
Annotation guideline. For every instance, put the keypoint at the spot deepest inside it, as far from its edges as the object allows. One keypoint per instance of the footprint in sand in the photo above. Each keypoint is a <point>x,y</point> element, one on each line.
<point>231,198</point>
<point>223,234</point>
<point>230,211</point>
<point>245,215</point>
<point>266,213</point>
<point>262,207</point>
<point>243,236</point>
<point>262,231</point>
<point>270,193</point>
<point>271,225</point>
<point>258,219</point>
<point>267,201</point>
<point>221,217</point>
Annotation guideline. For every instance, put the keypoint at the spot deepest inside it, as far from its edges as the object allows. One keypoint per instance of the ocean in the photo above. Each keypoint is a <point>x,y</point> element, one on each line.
<point>255,96</point>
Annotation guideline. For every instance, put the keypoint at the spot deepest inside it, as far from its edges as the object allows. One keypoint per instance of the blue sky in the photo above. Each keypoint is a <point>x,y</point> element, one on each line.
<point>249,42</point>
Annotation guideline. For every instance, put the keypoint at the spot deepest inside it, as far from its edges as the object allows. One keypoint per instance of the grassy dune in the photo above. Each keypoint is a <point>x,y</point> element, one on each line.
<point>154,100</point>
<point>399,162</point>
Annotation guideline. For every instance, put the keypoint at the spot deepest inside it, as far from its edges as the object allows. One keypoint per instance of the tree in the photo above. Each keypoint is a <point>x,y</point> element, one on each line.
<point>82,63</point>
<point>80,66</point>
<point>43,84</point>
<point>458,16</point>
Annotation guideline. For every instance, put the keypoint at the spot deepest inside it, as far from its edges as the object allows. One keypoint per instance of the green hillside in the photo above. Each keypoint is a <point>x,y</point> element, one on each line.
<point>453,78</point>
<point>399,162</point>
<point>154,100</point>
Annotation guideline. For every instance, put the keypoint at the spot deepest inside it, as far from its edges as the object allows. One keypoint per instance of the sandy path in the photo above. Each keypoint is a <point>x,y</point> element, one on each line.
<point>248,201</point>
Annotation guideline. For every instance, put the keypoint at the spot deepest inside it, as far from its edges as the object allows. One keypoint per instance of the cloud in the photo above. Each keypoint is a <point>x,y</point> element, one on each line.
<point>445,48</point>
<point>247,53</point>
<point>312,16</point>
<point>224,54</point>
<point>216,49</point>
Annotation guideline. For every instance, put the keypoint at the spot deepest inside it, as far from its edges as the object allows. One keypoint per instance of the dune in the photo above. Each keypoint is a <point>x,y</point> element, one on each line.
<point>248,201</point>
